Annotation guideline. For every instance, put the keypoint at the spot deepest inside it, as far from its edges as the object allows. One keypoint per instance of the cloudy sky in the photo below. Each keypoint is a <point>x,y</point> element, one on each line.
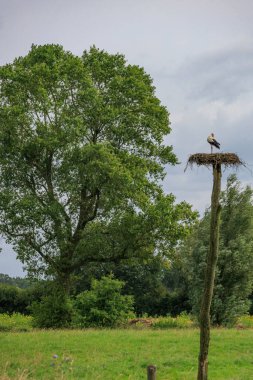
<point>199,53</point>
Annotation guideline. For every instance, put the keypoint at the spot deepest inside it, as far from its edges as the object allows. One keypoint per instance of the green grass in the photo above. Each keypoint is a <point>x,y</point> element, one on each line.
<point>123,354</point>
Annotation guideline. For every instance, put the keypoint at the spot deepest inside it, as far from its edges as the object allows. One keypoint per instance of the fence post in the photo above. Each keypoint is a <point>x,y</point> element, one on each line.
<point>151,369</point>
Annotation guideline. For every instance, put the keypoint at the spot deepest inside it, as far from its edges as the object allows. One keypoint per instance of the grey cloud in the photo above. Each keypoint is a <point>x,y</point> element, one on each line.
<point>219,76</point>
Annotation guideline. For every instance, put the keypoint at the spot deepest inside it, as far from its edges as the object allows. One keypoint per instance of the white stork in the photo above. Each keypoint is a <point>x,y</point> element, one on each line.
<point>213,142</point>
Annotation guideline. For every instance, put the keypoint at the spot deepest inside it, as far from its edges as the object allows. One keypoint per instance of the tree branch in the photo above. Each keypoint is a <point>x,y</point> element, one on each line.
<point>86,214</point>
<point>37,248</point>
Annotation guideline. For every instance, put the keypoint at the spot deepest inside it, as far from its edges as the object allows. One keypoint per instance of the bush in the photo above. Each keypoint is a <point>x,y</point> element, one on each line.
<point>15,322</point>
<point>103,305</point>
<point>54,310</point>
<point>246,321</point>
<point>182,321</point>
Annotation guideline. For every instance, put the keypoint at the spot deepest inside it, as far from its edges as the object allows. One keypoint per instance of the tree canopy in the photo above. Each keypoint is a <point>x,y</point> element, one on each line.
<point>82,161</point>
<point>234,280</point>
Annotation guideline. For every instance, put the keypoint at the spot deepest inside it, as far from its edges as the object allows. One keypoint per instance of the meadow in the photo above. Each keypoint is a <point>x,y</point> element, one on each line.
<point>123,354</point>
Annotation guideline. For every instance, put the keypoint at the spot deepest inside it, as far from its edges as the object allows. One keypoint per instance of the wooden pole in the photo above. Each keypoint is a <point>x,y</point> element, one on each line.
<point>151,370</point>
<point>209,275</point>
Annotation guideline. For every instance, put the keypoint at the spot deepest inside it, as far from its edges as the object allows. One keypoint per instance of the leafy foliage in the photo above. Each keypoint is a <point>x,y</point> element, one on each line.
<point>234,280</point>
<point>16,300</point>
<point>54,310</point>
<point>13,299</point>
<point>158,287</point>
<point>144,280</point>
<point>103,305</point>
<point>83,140</point>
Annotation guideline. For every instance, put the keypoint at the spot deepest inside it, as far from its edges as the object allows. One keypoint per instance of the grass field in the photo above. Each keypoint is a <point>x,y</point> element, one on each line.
<point>123,354</point>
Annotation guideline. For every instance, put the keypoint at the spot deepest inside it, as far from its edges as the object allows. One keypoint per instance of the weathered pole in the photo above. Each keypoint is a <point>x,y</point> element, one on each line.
<point>216,160</point>
<point>151,372</point>
<point>211,262</point>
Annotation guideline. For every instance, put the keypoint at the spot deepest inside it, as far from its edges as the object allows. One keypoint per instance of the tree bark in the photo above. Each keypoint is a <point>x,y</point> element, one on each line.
<point>209,275</point>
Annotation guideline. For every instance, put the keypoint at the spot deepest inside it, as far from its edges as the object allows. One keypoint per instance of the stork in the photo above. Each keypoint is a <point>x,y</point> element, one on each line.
<point>213,142</point>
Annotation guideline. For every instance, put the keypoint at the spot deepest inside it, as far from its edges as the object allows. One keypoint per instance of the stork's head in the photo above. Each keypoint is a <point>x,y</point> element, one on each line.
<point>212,134</point>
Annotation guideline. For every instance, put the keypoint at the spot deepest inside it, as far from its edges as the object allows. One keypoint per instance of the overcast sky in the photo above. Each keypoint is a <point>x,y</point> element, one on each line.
<point>199,53</point>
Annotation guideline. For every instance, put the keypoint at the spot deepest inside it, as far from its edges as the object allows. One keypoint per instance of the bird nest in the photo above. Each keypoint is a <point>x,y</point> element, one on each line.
<point>214,159</point>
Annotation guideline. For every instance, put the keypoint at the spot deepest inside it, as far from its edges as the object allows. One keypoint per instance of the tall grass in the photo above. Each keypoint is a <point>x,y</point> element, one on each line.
<point>15,322</point>
<point>180,322</point>
<point>246,321</point>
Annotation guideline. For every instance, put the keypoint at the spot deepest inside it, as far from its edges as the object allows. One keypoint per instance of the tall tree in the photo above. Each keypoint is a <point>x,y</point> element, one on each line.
<point>234,279</point>
<point>81,160</point>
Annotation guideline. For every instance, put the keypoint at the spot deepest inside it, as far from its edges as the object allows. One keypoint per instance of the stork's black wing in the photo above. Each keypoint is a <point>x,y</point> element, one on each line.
<point>216,144</point>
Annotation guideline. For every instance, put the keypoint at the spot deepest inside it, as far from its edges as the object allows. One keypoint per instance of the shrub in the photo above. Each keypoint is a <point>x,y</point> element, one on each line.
<point>103,305</point>
<point>181,321</point>
<point>54,310</point>
<point>15,322</point>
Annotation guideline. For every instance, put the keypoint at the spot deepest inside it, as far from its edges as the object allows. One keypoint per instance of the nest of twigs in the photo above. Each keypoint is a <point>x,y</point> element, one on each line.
<point>214,159</point>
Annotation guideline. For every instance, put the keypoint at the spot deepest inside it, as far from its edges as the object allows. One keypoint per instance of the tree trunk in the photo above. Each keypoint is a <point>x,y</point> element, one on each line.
<point>209,275</point>
<point>64,283</point>
<point>64,279</point>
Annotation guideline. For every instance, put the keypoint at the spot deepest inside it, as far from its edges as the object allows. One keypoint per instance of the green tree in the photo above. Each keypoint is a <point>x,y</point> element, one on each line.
<point>234,279</point>
<point>81,162</point>
<point>144,280</point>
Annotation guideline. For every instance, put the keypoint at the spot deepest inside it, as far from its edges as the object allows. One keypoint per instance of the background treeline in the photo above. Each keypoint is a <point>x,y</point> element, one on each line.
<point>158,286</point>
